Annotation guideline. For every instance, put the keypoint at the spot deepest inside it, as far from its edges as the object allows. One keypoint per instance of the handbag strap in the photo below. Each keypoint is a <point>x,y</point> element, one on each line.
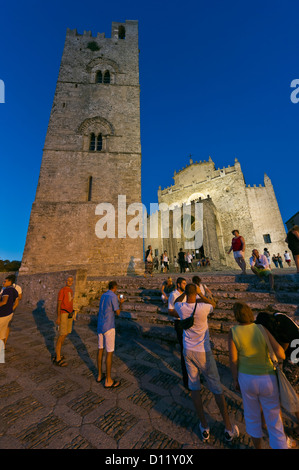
<point>272,353</point>
<point>194,309</point>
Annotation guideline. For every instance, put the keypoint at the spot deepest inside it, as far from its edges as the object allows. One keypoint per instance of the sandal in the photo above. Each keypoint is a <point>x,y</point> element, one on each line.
<point>54,358</point>
<point>60,363</point>
<point>103,378</point>
<point>114,384</point>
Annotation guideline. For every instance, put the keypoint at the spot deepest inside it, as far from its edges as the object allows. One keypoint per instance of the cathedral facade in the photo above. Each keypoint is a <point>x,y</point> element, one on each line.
<point>227,203</point>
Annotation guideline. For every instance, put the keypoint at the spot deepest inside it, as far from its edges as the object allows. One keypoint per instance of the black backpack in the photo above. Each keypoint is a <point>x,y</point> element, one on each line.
<point>282,327</point>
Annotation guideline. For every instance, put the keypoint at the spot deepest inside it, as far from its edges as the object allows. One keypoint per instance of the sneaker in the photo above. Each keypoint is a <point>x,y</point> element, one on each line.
<point>230,435</point>
<point>205,432</point>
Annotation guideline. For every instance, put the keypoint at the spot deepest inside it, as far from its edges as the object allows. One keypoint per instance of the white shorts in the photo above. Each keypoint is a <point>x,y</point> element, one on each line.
<point>238,254</point>
<point>107,340</point>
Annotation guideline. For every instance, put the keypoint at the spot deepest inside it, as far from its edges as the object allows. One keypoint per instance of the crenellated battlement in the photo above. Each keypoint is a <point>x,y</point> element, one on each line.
<point>267,183</point>
<point>200,172</point>
<point>119,30</point>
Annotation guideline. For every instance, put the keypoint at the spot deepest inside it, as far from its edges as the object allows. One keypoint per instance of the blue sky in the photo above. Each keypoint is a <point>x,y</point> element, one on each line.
<point>215,81</point>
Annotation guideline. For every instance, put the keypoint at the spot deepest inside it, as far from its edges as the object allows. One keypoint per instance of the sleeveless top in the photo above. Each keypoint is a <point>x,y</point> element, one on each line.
<point>253,353</point>
<point>237,244</point>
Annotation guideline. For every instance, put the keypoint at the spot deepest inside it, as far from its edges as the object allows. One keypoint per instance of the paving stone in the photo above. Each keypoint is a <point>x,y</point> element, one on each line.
<point>40,435</point>
<point>116,422</point>
<point>85,403</point>
<point>156,440</point>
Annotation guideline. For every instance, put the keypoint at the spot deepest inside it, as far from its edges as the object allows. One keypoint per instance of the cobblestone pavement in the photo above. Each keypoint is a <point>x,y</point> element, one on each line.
<point>43,406</point>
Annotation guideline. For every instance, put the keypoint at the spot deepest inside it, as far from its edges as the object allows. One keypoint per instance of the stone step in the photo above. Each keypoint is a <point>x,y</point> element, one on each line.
<point>144,313</point>
<point>223,304</point>
<point>220,320</point>
<point>205,277</point>
<point>162,277</point>
<point>155,296</point>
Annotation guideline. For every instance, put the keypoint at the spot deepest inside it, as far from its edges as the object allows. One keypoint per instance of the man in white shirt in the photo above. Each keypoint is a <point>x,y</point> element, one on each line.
<point>199,359</point>
<point>260,267</point>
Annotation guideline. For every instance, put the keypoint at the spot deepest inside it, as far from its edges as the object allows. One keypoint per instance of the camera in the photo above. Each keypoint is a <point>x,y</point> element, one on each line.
<point>121,296</point>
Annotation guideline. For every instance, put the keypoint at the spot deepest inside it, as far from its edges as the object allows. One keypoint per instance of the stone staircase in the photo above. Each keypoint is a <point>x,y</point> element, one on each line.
<point>144,314</point>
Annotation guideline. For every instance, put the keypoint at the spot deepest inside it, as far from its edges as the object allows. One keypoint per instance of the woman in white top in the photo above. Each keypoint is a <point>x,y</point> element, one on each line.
<point>165,261</point>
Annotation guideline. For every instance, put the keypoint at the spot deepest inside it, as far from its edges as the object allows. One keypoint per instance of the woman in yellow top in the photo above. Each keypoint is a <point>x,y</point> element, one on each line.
<point>254,376</point>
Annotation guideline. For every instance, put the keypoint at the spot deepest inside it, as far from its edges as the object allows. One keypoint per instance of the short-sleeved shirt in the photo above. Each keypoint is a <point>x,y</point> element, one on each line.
<point>172,298</point>
<point>260,262</point>
<point>196,338</point>
<point>66,297</point>
<point>108,306</point>
<point>7,309</point>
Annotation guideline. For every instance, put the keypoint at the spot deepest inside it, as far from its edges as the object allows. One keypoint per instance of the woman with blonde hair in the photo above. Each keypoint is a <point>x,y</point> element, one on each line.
<point>254,375</point>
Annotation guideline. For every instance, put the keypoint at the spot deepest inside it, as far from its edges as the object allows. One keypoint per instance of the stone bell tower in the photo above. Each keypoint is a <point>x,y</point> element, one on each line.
<point>92,155</point>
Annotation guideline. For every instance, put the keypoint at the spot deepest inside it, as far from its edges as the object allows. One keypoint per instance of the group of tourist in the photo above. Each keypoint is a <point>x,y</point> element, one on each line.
<point>277,259</point>
<point>278,262</point>
<point>252,370</point>
<point>110,304</point>
<point>185,261</point>
<point>260,264</point>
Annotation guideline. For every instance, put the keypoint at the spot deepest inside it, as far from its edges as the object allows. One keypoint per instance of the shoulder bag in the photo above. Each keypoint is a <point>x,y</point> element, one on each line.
<point>187,322</point>
<point>289,399</point>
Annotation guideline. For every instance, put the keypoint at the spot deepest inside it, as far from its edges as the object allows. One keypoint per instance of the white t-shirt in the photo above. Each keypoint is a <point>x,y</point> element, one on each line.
<point>175,294</point>
<point>172,298</point>
<point>287,256</point>
<point>202,288</point>
<point>196,338</point>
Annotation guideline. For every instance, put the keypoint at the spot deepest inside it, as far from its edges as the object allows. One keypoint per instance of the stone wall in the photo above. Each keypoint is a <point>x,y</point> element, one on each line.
<point>75,179</point>
<point>266,218</point>
<point>40,291</point>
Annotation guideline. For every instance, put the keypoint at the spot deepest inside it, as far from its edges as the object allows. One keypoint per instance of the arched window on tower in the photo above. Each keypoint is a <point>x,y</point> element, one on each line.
<point>107,77</point>
<point>99,77</point>
<point>89,188</point>
<point>99,143</point>
<point>92,142</point>
<point>96,142</point>
<point>121,32</point>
